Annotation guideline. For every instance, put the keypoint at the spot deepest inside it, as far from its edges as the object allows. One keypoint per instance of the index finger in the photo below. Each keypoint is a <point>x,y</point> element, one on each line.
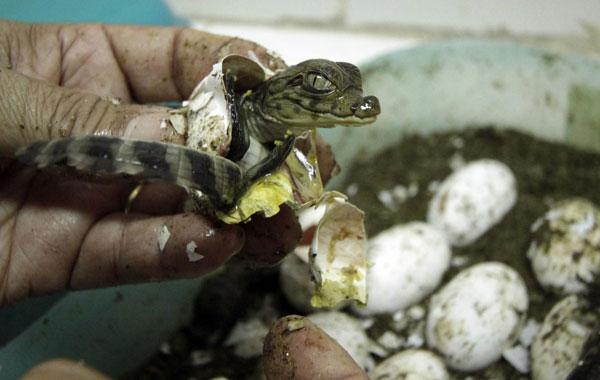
<point>146,63</point>
<point>166,63</point>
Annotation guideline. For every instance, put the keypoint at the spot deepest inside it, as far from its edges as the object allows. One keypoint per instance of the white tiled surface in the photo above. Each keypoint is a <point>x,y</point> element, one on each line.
<point>537,17</point>
<point>260,10</point>
<point>295,44</point>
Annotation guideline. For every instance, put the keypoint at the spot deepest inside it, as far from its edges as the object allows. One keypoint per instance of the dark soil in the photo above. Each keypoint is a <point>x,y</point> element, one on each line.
<point>545,172</point>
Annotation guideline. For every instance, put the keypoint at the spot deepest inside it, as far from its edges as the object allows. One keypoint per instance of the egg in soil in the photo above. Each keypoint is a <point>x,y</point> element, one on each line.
<point>565,249</point>
<point>406,263</point>
<point>545,174</point>
<point>411,364</point>
<point>472,199</point>
<point>477,315</point>
<point>558,346</point>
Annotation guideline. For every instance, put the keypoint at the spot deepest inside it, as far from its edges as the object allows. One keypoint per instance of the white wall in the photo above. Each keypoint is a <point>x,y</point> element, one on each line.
<point>519,16</point>
<point>357,30</point>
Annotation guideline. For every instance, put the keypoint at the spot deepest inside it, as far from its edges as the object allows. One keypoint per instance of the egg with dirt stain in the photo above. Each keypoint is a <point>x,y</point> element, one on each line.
<point>472,200</point>
<point>565,250</point>
<point>412,364</point>
<point>477,315</point>
<point>406,263</point>
<point>557,347</point>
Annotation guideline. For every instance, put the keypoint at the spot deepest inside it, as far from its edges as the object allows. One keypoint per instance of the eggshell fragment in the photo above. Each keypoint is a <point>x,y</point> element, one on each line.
<point>163,237</point>
<point>406,263</point>
<point>338,255</point>
<point>557,347</point>
<point>347,331</point>
<point>477,315</point>
<point>411,365</point>
<point>472,200</point>
<point>565,251</point>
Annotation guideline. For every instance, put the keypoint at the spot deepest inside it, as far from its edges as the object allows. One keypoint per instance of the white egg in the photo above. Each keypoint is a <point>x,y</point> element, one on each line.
<point>472,200</point>
<point>294,278</point>
<point>477,315</point>
<point>348,332</point>
<point>558,345</point>
<point>411,365</point>
<point>565,251</point>
<point>406,263</point>
<point>247,337</point>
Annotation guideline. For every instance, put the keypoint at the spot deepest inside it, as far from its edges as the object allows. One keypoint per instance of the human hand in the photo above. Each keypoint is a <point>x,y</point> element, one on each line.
<point>62,232</point>
<point>301,350</point>
<point>303,353</point>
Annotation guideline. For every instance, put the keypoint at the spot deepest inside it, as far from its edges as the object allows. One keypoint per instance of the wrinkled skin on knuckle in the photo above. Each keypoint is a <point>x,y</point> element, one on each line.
<point>31,49</point>
<point>69,113</point>
<point>35,110</point>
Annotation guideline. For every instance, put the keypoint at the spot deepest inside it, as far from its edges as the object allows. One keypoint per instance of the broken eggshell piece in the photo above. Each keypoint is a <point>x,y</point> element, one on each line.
<point>297,183</point>
<point>205,118</point>
<point>338,255</point>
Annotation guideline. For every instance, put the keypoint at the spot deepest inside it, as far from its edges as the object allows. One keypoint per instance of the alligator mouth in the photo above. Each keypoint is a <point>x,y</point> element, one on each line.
<point>325,119</point>
<point>364,112</point>
<point>356,120</point>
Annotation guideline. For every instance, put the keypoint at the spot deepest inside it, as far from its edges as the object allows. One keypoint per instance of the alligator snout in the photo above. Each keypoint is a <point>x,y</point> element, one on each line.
<point>369,107</point>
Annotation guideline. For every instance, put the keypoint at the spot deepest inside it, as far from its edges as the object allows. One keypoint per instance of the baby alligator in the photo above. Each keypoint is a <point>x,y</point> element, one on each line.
<point>314,93</point>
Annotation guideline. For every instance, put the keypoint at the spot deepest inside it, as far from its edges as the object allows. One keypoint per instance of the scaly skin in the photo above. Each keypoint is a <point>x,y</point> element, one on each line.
<point>314,93</point>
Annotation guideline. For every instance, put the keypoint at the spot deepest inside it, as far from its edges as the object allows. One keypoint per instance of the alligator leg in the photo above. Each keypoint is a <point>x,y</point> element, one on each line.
<point>273,161</point>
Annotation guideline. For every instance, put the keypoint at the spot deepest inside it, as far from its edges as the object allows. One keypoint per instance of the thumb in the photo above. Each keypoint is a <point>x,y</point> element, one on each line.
<point>296,348</point>
<point>62,369</point>
<point>33,110</point>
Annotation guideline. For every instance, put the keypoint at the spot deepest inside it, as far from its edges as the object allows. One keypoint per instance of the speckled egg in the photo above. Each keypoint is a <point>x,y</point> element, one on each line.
<point>406,263</point>
<point>565,250</point>
<point>472,200</point>
<point>477,315</point>
<point>558,345</point>
<point>411,365</point>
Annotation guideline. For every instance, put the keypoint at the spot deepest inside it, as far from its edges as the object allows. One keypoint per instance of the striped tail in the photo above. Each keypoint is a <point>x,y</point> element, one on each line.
<point>217,178</point>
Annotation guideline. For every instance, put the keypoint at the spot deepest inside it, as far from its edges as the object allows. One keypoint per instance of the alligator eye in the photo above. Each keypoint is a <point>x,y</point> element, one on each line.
<point>318,83</point>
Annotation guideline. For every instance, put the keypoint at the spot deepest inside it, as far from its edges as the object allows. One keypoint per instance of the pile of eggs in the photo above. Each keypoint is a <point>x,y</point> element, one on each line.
<point>480,315</point>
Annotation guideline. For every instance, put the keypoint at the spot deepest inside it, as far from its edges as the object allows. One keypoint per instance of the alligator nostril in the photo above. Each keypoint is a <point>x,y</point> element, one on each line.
<point>353,108</point>
<point>370,106</point>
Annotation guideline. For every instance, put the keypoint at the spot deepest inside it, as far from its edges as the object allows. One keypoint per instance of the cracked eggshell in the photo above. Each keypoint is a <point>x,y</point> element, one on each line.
<point>472,200</point>
<point>477,315</point>
<point>565,250</point>
<point>338,255</point>
<point>557,347</point>
<point>406,263</point>
<point>411,364</point>
<point>205,118</point>
<point>348,332</point>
